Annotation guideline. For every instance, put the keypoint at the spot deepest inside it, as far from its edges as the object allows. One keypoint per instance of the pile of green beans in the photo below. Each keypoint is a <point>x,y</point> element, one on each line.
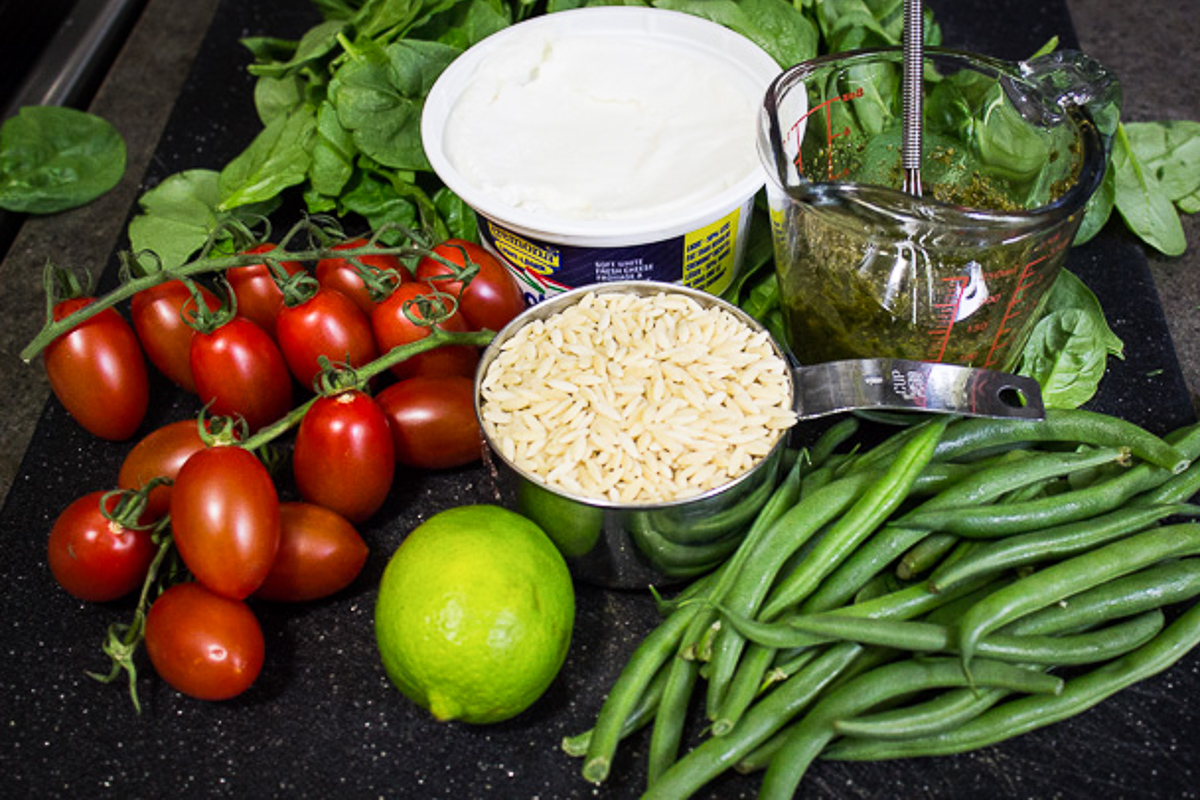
<point>959,583</point>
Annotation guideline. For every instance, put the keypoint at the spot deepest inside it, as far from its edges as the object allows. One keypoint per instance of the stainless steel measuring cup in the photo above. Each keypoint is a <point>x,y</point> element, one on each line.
<point>632,545</point>
<point>1012,153</point>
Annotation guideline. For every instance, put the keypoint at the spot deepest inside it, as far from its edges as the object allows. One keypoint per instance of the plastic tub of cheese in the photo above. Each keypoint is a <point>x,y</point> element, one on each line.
<point>603,144</point>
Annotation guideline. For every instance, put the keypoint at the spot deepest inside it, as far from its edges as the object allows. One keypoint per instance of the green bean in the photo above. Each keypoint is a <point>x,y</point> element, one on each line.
<point>641,715</point>
<point>690,530</point>
<point>680,561</point>
<point>1025,714</point>
<point>929,637</point>
<point>715,755</point>
<point>978,435</point>
<point>831,439</point>
<point>749,677</point>
<point>1054,542</point>
<point>871,558</point>
<point>864,514</point>
<point>658,646</point>
<point>681,674</point>
<point>1065,578</point>
<point>925,555</point>
<point>1154,587</point>
<point>942,712</point>
<point>1013,518</point>
<point>762,563</point>
<point>808,737</point>
<point>667,733</point>
<point>859,521</point>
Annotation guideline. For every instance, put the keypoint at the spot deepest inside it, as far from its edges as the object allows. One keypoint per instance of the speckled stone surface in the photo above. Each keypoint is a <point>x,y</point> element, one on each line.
<point>322,722</point>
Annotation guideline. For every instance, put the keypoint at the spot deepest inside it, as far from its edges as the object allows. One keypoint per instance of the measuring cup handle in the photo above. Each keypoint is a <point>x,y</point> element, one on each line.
<point>906,385</point>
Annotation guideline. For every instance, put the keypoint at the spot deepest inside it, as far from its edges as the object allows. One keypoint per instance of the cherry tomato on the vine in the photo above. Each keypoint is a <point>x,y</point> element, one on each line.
<point>343,458</point>
<point>204,645</point>
<point>342,275</point>
<point>95,558</point>
<point>160,454</point>
<point>491,299</point>
<point>98,372</point>
<point>327,324</point>
<point>392,329</point>
<point>433,421</point>
<point>225,518</point>
<point>320,553</point>
<point>259,297</point>
<point>240,372</point>
<point>165,336</point>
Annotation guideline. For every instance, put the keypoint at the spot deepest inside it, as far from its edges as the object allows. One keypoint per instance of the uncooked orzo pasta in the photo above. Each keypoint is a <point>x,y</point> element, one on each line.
<point>635,398</point>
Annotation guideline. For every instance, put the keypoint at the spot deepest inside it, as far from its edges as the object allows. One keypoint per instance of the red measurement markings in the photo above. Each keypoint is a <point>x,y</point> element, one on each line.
<point>798,128</point>
<point>945,314</point>
<point>1027,282</point>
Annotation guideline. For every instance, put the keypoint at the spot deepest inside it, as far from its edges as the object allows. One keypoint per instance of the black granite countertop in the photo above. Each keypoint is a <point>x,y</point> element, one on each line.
<point>322,721</point>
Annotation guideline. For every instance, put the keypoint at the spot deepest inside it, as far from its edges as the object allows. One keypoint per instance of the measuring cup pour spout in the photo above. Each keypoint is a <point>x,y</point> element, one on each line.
<point>1068,78</point>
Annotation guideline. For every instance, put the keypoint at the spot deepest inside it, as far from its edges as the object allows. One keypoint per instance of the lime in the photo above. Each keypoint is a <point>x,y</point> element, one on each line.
<point>474,614</point>
<point>574,527</point>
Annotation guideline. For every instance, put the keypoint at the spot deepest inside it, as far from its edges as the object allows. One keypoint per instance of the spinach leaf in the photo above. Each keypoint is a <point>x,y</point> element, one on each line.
<point>1099,208</point>
<point>1142,202</point>
<point>333,153</point>
<point>1171,151</point>
<point>178,216</point>
<point>776,26</point>
<point>379,96</point>
<point>464,24</point>
<point>54,158</point>
<point>279,157</point>
<point>1066,356</point>
<point>1068,349</point>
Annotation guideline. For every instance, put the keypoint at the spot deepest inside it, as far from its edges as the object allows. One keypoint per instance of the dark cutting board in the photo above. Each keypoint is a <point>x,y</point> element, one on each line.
<point>323,722</point>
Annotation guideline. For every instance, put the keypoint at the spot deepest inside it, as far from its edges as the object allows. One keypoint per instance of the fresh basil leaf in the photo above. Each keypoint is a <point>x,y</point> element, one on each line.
<point>179,215</point>
<point>278,158</point>
<point>1142,202</point>
<point>54,158</point>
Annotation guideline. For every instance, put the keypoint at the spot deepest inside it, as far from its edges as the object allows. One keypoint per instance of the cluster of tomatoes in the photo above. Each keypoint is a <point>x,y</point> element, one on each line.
<point>197,486</point>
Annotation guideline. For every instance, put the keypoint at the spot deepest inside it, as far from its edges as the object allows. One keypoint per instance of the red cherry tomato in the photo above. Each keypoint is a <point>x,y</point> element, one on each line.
<point>320,553</point>
<point>392,329</point>
<point>240,372</point>
<point>160,454</point>
<point>433,421</point>
<point>342,275</point>
<point>327,324</point>
<point>258,296</point>
<point>95,558</point>
<point>343,458</point>
<point>204,645</point>
<point>225,518</point>
<point>165,337</point>
<point>97,371</point>
<point>491,299</point>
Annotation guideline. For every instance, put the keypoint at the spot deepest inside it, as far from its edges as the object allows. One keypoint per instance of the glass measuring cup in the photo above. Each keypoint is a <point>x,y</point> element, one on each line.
<point>1012,153</point>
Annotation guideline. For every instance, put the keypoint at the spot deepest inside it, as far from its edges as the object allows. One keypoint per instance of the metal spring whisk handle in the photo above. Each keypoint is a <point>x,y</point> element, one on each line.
<point>914,62</point>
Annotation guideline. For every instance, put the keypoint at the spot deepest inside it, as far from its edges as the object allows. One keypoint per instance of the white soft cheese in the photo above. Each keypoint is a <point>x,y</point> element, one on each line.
<point>600,128</point>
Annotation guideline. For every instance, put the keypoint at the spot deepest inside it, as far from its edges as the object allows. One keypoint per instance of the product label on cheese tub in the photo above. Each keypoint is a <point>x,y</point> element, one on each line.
<point>705,258</point>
